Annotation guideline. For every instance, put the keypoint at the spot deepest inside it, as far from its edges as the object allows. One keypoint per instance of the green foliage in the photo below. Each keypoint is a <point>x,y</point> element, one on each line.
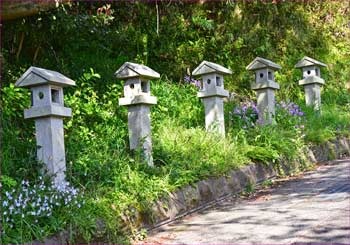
<point>36,210</point>
<point>192,154</point>
<point>249,189</point>
<point>88,47</point>
<point>267,183</point>
<point>176,102</point>
<point>332,122</point>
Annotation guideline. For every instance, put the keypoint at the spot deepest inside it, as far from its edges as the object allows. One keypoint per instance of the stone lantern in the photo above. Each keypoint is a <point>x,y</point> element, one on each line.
<point>311,81</point>
<point>212,94</point>
<point>265,87</point>
<point>138,99</point>
<point>48,111</point>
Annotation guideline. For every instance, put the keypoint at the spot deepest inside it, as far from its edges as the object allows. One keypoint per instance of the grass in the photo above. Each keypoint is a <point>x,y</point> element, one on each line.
<point>116,187</point>
<point>334,121</point>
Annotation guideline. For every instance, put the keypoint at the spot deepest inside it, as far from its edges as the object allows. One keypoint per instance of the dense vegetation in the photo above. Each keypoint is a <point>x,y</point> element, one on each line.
<point>89,41</point>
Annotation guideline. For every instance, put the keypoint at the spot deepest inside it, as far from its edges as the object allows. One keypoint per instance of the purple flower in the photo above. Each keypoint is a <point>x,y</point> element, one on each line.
<point>237,111</point>
<point>193,81</point>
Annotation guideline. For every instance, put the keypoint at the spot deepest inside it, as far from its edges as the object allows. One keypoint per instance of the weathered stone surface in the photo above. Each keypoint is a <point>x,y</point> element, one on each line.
<point>219,186</point>
<point>48,110</point>
<point>307,61</point>
<point>137,96</point>
<point>177,204</point>
<point>139,118</point>
<point>310,155</point>
<point>311,81</point>
<point>250,174</point>
<point>214,114</point>
<point>192,196</point>
<point>264,172</point>
<point>232,187</point>
<point>131,70</point>
<point>160,211</point>
<point>212,94</point>
<point>342,148</point>
<point>207,67</point>
<point>259,63</point>
<point>235,180</point>
<point>50,146</point>
<point>205,191</point>
<point>36,76</point>
<point>313,95</point>
<point>60,238</point>
<point>265,87</point>
<point>137,100</point>
<point>324,152</point>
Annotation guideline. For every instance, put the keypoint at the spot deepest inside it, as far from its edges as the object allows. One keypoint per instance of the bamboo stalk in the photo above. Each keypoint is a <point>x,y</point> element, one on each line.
<point>20,46</point>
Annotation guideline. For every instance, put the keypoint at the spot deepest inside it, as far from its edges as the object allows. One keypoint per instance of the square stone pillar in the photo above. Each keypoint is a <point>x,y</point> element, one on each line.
<point>138,99</point>
<point>50,146</point>
<point>313,95</point>
<point>212,94</point>
<point>48,112</point>
<point>311,81</point>
<point>214,114</point>
<point>266,104</point>
<point>265,87</point>
<point>139,125</point>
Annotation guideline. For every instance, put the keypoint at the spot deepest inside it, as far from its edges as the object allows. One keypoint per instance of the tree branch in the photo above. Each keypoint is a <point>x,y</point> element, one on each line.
<point>17,9</point>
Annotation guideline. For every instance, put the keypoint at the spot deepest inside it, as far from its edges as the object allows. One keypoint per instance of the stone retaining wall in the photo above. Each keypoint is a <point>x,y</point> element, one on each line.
<point>206,192</point>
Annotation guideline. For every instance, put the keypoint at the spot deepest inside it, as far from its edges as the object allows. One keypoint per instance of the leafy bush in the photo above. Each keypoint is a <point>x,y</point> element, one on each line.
<point>88,45</point>
<point>333,121</point>
<point>192,154</point>
<point>36,210</point>
<point>289,115</point>
<point>245,116</point>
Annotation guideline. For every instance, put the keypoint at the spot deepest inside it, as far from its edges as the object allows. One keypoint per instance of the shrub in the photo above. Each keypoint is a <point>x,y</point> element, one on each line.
<point>36,209</point>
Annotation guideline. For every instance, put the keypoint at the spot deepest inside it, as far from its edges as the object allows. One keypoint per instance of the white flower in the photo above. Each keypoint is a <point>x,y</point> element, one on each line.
<point>8,195</point>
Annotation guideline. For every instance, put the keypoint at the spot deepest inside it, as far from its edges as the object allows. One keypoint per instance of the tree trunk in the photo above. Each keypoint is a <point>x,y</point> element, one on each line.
<point>17,9</point>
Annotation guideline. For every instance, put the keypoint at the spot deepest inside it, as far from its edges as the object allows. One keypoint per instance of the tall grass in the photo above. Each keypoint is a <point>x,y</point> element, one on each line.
<point>333,121</point>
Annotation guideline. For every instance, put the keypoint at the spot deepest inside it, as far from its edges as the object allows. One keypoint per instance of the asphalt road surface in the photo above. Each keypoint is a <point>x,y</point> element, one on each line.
<point>311,208</point>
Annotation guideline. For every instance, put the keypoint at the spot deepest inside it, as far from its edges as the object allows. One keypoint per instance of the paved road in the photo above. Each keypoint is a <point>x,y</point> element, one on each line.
<point>312,208</point>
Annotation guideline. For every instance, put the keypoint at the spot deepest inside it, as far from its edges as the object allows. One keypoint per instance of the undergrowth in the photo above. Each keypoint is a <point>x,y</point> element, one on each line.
<point>88,47</point>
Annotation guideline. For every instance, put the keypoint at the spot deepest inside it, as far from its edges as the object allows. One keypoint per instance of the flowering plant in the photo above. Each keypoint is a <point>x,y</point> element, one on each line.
<point>33,206</point>
<point>193,81</point>
<point>289,115</point>
<point>245,115</point>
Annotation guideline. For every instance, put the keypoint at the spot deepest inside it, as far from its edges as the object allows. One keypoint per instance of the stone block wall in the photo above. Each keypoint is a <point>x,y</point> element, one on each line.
<point>207,192</point>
